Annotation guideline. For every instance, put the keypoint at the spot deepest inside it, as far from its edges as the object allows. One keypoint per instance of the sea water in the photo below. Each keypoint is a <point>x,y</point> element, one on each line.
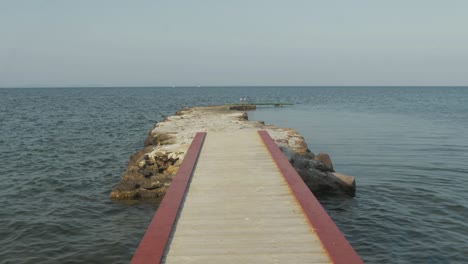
<point>63,149</point>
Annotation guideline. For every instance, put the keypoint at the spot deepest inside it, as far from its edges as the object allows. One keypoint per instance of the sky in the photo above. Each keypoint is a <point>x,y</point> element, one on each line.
<point>58,43</point>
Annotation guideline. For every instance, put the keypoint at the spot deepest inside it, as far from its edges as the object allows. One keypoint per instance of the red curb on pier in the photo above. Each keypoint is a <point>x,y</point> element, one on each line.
<point>153,244</point>
<point>336,245</point>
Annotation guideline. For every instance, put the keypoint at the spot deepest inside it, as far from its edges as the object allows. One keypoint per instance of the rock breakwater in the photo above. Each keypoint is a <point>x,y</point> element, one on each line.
<point>150,171</point>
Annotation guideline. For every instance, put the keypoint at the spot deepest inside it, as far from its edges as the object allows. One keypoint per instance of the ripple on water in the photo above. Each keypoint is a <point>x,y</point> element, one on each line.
<point>395,215</point>
<point>62,151</point>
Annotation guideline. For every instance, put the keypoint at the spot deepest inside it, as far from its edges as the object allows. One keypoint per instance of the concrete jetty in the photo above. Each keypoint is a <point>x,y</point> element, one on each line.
<point>150,171</point>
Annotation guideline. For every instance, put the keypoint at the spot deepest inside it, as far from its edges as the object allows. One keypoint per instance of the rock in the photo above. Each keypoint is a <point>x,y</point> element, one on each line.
<point>122,194</point>
<point>161,164</point>
<point>153,185</point>
<point>142,164</point>
<point>172,161</point>
<point>325,159</point>
<point>325,183</point>
<point>292,132</point>
<point>171,170</point>
<point>136,157</point>
<point>149,162</point>
<point>301,147</point>
<point>183,111</point>
<point>173,157</point>
<point>281,142</point>
<point>159,154</point>
<point>347,184</point>
<point>243,117</point>
<point>318,177</point>
<point>349,180</point>
<point>155,139</point>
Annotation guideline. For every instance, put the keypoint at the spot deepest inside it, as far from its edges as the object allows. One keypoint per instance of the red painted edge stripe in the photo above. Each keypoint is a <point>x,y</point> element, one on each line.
<point>153,244</point>
<point>336,245</point>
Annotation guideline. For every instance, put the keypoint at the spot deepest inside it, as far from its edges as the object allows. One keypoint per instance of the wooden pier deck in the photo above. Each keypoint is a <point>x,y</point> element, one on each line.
<point>236,199</point>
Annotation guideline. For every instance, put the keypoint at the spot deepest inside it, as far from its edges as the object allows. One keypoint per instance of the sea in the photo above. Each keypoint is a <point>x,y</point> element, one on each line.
<point>63,149</point>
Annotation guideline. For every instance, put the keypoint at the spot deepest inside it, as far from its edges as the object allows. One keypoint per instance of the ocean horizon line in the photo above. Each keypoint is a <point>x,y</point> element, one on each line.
<point>236,86</point>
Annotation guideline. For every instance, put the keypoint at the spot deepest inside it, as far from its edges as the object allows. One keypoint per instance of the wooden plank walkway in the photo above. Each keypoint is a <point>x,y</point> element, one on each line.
<point>242,206</point>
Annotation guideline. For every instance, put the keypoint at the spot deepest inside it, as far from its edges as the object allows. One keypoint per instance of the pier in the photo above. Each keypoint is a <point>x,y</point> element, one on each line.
<point>237,199</point>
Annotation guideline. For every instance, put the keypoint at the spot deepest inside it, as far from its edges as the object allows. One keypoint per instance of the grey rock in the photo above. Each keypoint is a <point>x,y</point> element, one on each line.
<point>318,177</point>
<point>325,159</point>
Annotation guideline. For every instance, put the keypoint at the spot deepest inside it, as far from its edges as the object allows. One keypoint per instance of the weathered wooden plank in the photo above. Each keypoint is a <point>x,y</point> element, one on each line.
<point>239,209</point>
<point>250,258</point>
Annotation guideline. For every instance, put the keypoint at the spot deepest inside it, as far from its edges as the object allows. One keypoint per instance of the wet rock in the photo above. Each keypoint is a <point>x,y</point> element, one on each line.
<point>347,179</point>
<point>326,160</point>
<point>345,183</point>
<point>317,176</point>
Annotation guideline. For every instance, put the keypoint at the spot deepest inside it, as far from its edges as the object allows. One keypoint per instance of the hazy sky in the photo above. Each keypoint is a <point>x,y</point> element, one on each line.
<point>238,42</point>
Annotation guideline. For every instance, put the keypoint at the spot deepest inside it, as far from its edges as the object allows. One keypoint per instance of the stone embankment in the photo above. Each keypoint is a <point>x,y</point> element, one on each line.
<point>150,171</point>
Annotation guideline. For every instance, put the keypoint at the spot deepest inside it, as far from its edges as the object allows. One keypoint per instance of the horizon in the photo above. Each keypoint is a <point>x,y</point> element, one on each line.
<point>115,43</point>
<point>241,86</point>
